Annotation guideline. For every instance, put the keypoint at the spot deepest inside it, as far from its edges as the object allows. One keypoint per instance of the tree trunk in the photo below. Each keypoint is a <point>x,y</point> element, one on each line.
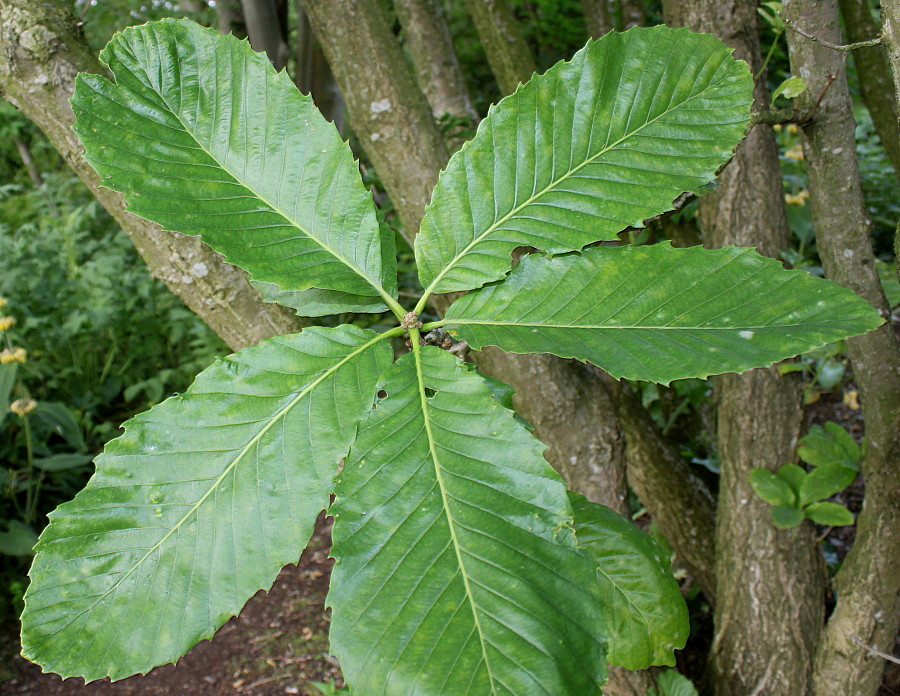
<point>230,18</point>
<point>434,59</point>
<point>41,51</point>
<point>265,30</point>
<point>598,17</point>
<point>769,581</point>
<point>868,583</point>
<point>874,76</point>
<point>890,33</point>
<point>633,14</point>
<point>388,113</point>
<point>508,54</point>
<point>313,75</point>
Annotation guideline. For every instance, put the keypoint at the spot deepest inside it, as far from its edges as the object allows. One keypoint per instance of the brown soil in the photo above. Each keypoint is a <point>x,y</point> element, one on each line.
<point>277,645</point>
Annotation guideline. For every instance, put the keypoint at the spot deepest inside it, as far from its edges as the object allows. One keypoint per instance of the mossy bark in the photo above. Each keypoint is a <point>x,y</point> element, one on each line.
<point>41,51</point>
<point>868,584</point>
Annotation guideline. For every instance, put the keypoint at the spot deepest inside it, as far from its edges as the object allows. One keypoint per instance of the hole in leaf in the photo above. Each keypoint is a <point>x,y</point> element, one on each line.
<point>429,392</point>
<point>381,394</point>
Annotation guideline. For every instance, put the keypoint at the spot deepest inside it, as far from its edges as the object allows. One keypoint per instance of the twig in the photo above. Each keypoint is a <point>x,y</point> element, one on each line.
<point>874,651</point>
<point>829,80</point>
<point>773,117</point>
<point>789,23</point>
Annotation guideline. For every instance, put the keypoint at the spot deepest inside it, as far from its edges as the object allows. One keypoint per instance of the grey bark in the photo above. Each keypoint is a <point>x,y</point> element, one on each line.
<point>873,69</point>
<point>868,583</point>
<point>434,59</point>
<point>41,51</point>
<point>265,30</point>
<point>598,17</point>
<point>770,584</point>
<point>507,52</point>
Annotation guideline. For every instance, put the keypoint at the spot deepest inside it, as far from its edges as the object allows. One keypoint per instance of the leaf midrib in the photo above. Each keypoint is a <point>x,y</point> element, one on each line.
<point>457,547</point>
<point>450,266</point>
<point>196,506</point>
<point>599,327</point>
<point>390,301</point>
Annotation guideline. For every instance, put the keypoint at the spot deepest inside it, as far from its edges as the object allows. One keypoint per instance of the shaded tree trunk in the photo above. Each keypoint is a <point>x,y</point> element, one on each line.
<point>874,73</point>
<point>769,581</point>
<point>633,14</point>
<point>387,111</point>
<point>313,75</point>
<point>868,583</point>
<point>434,59</point>
<point>598,17</point>
<point>890,33</point>
<point>230,18</point>
<point>508,54</point>
<point>266,31</point>
<point>41,51</point>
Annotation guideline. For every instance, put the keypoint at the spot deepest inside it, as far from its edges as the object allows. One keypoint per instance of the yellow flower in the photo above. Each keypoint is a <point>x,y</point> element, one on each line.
<point>22,407</point>
<point>796,199</point>
<point>2,302</point>
<point>6,322</point>
<point>795,153</point>
<point>792,129</point>
<point>10,355</point>
<point>777,127</point>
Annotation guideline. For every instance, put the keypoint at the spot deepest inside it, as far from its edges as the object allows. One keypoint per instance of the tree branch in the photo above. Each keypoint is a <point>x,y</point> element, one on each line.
<point>792,25</point>
<point>868,583</point>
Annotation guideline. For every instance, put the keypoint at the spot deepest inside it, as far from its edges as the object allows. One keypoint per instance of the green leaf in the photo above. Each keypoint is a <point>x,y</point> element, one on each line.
<point>786,517</point>
<point>672,683</point>
<point>198,505</point>
<point>771,488</point>
<point>829,445</point>
<point>457,567</point>
<point>646,616</point>
<point>62,421</point>
<point>658,313</point>
<point>62,462</point>
<point>595,145</point>
<point>829,514</point>
<point>7,382</point>
<point>202,136</point>
<point>826,480</point>
<point>790,88</point>
<point>18,540</point>
<point>793,476</point>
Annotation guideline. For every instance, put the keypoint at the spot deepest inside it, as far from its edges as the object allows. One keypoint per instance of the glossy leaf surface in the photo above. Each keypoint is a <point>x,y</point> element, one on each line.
<point>645,614</point>
<point>202,136</point>
<point>578,154</point>
<point>457,570</point>
<point>198,505</point>
<point>658,313</point>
